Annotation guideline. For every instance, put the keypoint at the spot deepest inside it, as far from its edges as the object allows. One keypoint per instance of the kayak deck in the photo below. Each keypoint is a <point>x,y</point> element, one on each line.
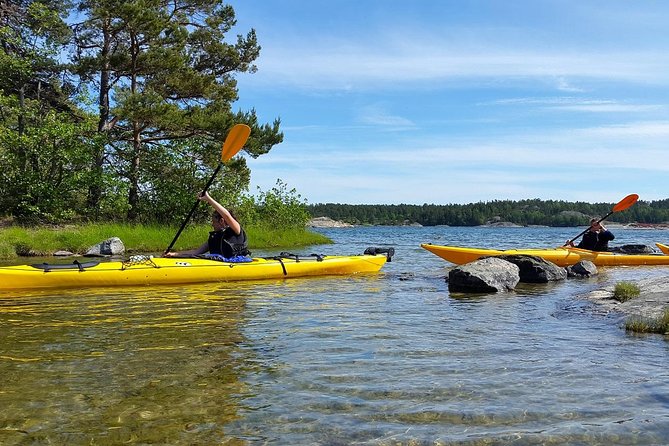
<point>561,256</point>
<point>144,270</point>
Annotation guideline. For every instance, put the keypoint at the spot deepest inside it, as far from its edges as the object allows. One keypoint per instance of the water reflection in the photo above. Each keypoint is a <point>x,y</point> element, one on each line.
<point>153,365</point>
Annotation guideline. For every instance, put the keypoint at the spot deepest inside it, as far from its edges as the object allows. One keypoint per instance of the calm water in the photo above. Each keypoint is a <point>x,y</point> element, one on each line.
<point>383,359</point>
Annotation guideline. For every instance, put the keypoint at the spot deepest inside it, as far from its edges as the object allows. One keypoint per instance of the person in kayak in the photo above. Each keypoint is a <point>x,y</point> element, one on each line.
<point>596,238</point>
<point>228,238</point>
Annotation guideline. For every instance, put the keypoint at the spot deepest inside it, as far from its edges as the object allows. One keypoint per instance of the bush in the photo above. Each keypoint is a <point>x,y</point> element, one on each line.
<point>659,325</point>
<point>625,291</point>
<point>279,208</point>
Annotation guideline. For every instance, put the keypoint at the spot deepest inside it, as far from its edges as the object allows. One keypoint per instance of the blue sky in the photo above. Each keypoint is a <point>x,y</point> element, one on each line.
<point>444,101</point>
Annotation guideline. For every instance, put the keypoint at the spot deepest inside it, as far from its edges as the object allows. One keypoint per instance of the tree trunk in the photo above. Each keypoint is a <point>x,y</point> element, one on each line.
<point>95,188</point>
<point>133,175</point>
<point>22,128</point>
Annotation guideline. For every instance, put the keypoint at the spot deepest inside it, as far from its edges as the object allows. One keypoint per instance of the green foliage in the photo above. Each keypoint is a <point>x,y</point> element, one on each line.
<point>130,124</point>
<point>21,241</point>
<point>653,325</point>
<point>625,291</point>
<point>523,212</point>
<point>267,237</point>
<point>171,67</point>
<point>44,171</point>
<point>280,208</point>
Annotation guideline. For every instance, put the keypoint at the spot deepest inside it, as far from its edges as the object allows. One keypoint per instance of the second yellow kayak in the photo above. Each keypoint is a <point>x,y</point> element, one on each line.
<point>561,256</point>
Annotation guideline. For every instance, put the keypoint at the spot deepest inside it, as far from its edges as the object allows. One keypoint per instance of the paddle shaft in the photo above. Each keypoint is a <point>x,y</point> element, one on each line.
<point>192,211</point>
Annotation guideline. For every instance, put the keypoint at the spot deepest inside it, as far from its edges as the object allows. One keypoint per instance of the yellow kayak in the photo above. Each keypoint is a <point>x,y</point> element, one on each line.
<point>144,270</point>
<point>562,256</point>
<point>460,255</point>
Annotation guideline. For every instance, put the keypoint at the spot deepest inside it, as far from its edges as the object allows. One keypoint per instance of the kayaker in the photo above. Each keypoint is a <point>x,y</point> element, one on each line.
<point>228,238</point>
<point>596,238</point>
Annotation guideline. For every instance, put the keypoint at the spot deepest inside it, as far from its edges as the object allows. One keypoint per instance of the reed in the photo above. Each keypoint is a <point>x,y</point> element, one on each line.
<point>649,325</point>
<point>625,291</point>
<point>16,241</point>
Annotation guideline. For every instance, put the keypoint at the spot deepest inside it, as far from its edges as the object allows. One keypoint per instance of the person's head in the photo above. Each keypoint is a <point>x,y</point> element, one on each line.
<point>595,224</point>
<point>217,220</point>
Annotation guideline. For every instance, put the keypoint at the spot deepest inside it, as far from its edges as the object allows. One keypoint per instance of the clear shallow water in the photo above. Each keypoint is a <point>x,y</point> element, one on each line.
<point>381,359</point>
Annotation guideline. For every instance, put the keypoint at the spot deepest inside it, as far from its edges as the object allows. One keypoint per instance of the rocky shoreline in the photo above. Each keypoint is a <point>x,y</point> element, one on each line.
<point>650,304</point>
<point>327,222</point>
<point>503,273</point>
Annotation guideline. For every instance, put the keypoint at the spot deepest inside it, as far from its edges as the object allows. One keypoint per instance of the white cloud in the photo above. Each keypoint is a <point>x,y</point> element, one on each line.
<point>557,165</point>
<point>415,107</point>
<point>377,115</point>
<point>564,85</point>
<point>350,65</point>
<point>570,103</point>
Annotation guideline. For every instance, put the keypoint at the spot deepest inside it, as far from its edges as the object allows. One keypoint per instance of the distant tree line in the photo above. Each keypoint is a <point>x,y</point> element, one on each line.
<point>522,212</point>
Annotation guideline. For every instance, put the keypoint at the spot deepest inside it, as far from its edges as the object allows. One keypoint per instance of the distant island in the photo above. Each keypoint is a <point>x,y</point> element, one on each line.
<point>532,212</point>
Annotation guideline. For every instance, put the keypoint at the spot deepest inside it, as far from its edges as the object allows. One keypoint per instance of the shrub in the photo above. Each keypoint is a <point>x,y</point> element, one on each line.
<point>625,291</point>
<point>280,208</point>
<point>659,325</point>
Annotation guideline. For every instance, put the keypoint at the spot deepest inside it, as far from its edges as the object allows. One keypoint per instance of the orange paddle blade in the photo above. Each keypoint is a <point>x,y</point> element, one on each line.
<point>235,140</point>
<point>625,203</point>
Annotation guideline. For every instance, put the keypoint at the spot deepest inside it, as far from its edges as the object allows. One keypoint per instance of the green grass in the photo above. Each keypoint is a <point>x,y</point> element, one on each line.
<point>625,291</point>
<point>658,325</point>
<point>18,241</point>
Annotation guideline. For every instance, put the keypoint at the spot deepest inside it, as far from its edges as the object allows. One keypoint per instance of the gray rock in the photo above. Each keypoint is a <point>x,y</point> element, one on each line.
<point>327,222</point>
<point>488,275</point>
<point>584,268</point>
<point>63,253</point>
<point>533,269</point>
<point>111,247</point>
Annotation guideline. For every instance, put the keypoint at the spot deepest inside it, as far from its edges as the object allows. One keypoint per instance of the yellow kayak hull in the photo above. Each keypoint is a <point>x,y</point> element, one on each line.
<point>460,255</point>
<point>169,271</point>
<point>561,256</point>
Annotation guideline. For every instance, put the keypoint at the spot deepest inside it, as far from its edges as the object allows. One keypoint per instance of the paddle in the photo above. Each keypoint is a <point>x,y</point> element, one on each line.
<point>233,144</point>
<point>621,206</point>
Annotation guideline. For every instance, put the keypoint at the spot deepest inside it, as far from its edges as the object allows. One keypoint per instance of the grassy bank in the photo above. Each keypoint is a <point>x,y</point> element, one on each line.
<point>18,241</point>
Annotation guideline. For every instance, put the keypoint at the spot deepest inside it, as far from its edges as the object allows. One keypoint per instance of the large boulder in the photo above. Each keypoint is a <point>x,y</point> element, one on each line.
<point>534,269</point>
<point>584,268</point>
<point>111,247</point>
<point>488,275</point>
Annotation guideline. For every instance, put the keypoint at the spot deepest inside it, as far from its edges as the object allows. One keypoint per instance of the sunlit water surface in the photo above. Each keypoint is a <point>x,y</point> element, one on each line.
<point>389,358</point>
